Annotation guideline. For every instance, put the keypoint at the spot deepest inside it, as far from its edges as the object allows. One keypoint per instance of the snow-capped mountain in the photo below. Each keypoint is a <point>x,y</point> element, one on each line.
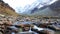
<point>29,8</point>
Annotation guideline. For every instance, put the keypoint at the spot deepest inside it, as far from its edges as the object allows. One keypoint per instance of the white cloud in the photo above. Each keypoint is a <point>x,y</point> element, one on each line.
<point>15,3</point>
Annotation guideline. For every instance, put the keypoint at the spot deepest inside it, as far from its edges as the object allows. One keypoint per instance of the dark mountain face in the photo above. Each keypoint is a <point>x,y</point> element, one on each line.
<point>55,6</point>
<point>34,10</point>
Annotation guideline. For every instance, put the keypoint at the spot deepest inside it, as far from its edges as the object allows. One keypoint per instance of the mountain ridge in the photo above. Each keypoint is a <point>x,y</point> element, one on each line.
<point>5,9</point>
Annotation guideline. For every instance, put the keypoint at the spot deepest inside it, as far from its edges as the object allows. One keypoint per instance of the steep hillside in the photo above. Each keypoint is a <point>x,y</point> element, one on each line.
<point>5,9</point>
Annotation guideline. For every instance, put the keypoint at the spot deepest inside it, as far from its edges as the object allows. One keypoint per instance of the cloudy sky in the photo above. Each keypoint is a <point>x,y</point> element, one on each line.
<point>20,4</point>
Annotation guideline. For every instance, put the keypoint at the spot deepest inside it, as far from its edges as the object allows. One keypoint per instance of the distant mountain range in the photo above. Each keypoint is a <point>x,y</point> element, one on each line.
<point>52,10</point>
<point>38,7</point>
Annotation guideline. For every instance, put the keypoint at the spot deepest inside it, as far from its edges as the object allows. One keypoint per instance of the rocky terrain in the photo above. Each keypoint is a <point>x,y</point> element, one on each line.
<point>5,9</point>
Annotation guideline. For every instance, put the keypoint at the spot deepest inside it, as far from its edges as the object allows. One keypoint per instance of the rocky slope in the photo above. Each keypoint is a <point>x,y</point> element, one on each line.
<point>5,9</point>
